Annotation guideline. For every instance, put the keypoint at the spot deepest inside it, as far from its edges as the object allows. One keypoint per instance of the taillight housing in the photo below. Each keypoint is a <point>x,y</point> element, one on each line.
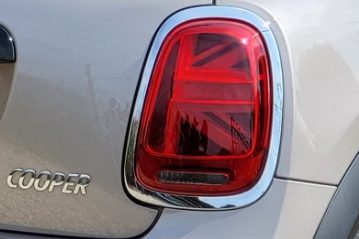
<point>204,128</point>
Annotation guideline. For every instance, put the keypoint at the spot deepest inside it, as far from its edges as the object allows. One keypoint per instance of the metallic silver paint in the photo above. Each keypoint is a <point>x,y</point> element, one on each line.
<point>289,210</point>
<point>322,41</point>
<point>29,130</point>
<point>215,202</point>
<point>69,96</point>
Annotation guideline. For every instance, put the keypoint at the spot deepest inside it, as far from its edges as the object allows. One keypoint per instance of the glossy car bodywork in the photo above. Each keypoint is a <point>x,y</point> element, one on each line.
<point>66,106</point>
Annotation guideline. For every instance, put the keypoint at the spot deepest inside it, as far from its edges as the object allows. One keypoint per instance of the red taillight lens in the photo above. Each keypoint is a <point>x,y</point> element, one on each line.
<point>205,126</point>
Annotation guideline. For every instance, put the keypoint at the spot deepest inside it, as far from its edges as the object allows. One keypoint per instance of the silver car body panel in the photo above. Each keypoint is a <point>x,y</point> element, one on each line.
<point>68,104</point>
<point>78,65</point>
<point>319,50</point>
<point>288,210</point>
<point>322,112</point>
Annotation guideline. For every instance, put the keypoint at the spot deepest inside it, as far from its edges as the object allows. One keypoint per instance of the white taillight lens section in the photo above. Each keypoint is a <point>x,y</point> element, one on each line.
<point>206,122</point>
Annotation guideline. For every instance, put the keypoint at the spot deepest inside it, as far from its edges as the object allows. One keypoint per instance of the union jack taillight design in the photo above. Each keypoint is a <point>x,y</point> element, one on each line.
<point>206,121</point>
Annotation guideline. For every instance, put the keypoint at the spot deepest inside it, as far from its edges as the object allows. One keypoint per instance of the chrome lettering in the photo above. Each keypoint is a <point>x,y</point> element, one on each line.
<point>46,182</point>
<point>69,182</point>
<point>11,175</point>
<point>82,184</point>
<point>29,173</point>
<point>59,179</point>
<point>73,183</point>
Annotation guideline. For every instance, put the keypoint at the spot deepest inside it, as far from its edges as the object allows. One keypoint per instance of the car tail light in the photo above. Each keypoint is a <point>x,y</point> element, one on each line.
<point>204,130</point>
<point>206,122</point>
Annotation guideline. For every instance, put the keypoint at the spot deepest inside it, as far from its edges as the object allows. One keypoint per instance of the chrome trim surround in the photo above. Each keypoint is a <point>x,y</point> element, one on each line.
<point>214,202</point>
